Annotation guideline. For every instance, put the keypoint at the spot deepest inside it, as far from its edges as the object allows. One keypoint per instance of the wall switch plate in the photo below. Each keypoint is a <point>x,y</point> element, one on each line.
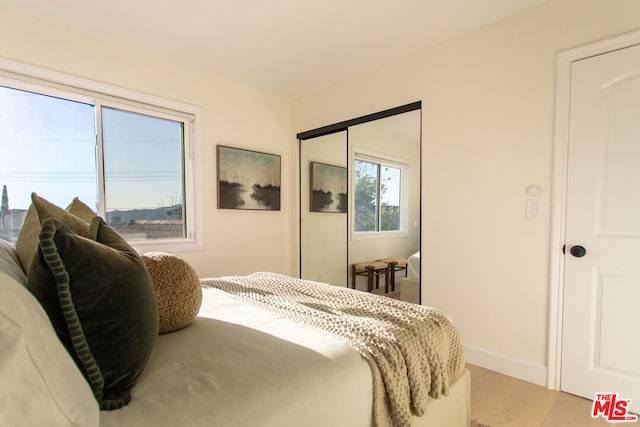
<point>533,208</point>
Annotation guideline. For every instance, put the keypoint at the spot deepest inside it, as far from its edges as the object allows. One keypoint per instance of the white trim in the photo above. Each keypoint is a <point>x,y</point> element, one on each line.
<point>559,196</point>
<point>382,158</point>
<point>506,365</point>
<point>43,76</point>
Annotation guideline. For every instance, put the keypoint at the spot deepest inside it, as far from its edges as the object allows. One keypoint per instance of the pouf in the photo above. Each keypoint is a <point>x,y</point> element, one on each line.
<point>177,288</point>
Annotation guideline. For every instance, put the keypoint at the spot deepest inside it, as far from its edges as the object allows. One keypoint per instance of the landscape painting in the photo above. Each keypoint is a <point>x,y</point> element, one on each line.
<point>248,179</point>
<point>328,188</point>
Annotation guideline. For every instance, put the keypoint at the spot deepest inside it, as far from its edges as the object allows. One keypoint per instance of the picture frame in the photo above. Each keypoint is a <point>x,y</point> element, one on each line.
<point>328,188</point>
<point>248,179</point>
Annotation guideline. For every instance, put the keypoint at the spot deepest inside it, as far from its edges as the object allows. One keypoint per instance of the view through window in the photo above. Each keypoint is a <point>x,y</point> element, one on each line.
<point>132,172</point>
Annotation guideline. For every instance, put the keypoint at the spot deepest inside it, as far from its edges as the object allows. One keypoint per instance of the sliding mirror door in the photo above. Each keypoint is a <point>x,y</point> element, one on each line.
<point>360,198</point>
<point>384,220</point>
<point>323,208</point>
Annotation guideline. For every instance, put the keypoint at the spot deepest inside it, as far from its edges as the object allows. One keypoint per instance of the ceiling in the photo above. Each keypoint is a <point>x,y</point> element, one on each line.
<point>288,47</point>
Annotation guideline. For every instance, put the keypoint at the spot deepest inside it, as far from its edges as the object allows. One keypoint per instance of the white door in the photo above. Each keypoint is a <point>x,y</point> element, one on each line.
<point>601,316</point>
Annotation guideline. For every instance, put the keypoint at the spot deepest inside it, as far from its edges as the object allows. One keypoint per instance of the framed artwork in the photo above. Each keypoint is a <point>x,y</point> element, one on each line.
<point>248,179</point>
<point>328,188</point>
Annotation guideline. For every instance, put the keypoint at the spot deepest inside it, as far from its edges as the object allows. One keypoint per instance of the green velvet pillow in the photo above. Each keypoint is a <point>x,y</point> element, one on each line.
<point>80,209</point>
<point>39,211</point>
<point>99,298</point>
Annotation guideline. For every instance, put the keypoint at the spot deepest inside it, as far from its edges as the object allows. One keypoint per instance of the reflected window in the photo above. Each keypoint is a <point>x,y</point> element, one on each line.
<point>378,201</point>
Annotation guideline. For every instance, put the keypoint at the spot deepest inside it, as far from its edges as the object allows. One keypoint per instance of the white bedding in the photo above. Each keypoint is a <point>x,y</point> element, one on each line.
<point>240,365</point>
<point>327,383</point>
<point>413,269</point>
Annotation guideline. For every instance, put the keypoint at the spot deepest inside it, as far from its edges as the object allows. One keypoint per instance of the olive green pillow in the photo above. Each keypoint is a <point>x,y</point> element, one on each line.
<point>40,210</point>
<point>80,209</point>
<point>98,295</point>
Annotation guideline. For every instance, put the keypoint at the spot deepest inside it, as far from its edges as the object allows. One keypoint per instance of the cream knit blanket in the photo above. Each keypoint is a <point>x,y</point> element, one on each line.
<point>414,352</point>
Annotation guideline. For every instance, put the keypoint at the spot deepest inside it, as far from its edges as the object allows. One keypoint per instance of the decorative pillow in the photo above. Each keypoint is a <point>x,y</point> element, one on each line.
<point>39,383</point>
<point>81,210</point>
<point>98,295</point>
<point>39,211</point>
<point>177,288</point>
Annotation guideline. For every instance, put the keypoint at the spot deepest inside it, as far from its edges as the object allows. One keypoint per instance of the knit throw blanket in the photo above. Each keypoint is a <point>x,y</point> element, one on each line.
<point>414,352</point>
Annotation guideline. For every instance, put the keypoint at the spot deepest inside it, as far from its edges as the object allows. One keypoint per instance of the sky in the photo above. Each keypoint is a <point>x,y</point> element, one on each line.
<point>48,146</point>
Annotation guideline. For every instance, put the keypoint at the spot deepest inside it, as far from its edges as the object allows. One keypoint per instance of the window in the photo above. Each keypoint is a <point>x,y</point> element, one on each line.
<point>379,202</point>
<point>132,161</point>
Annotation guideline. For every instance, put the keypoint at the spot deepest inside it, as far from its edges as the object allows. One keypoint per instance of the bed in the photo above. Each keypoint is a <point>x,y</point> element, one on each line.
<point>247,361</point>
<point>413,268</point>
<point>410,285</point>
<point>264,350</point>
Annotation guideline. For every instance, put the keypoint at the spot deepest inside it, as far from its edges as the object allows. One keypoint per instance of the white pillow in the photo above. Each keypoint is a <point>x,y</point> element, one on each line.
<point>39,382</point>
<point>10,263</point>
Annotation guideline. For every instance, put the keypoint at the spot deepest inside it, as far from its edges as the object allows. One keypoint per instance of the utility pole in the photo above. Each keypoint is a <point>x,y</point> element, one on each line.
<point>5,201</point>
<point>4,212</point>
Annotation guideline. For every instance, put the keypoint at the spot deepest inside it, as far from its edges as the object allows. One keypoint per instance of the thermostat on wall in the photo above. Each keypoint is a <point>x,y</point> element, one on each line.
<point>533,190</point>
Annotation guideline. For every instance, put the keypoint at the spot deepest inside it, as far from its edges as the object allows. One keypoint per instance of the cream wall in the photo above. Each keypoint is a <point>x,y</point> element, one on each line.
<point>488,109</point>
<point>236,242</point>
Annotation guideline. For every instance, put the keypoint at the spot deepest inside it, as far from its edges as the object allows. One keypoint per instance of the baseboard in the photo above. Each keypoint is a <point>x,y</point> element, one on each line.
<point>521,369</point>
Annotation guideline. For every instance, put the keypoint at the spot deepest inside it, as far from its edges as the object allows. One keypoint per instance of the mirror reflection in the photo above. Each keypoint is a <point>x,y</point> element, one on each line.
<point>360,206</point>
<point>323,222</point>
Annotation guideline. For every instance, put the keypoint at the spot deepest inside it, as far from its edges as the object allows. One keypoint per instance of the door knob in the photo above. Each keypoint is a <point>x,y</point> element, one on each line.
<point>578,251</point>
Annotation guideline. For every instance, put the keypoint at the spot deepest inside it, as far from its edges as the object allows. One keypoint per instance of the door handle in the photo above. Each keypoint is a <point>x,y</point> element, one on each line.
<point>578,251</point>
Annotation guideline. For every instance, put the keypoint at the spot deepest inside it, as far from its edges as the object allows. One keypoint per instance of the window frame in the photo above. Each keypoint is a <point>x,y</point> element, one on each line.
<point>46,82</point>
<point>380,159</point>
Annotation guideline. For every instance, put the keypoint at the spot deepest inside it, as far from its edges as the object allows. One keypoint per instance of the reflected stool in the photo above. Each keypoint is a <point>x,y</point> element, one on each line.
<point>370,269</point>
<point>395,264</point>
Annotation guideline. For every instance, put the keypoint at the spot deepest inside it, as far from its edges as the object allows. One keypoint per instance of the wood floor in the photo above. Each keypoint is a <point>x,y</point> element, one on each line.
<point>500,400</point>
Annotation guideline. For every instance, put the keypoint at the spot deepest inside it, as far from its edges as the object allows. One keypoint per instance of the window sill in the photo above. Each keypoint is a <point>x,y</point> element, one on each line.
<point>379,235</point>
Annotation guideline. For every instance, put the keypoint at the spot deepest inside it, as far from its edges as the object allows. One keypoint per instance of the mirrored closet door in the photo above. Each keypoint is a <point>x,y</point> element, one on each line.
<point>323,208</point>
<point>360,201</point>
